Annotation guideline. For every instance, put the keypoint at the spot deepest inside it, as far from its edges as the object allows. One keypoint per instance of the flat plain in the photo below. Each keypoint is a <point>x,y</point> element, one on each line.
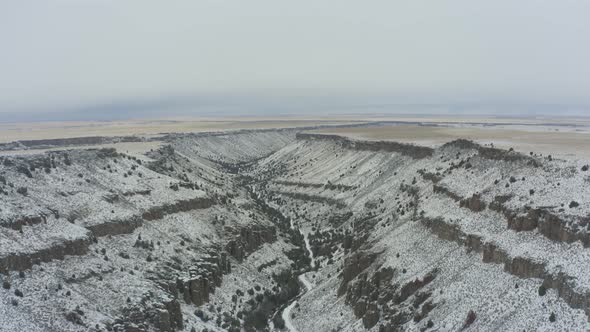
<point>523,138</point>
<point>545,135</point>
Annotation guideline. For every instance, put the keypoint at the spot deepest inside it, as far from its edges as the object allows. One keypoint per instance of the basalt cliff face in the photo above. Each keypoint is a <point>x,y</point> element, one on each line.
<point>225,231</point>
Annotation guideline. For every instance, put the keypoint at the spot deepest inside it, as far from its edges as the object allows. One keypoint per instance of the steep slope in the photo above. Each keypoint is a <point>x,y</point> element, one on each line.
<point>411,238</point>
<point>96,240</point>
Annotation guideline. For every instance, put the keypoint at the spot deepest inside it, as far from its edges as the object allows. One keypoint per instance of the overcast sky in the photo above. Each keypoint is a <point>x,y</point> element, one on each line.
<point>58,54</point>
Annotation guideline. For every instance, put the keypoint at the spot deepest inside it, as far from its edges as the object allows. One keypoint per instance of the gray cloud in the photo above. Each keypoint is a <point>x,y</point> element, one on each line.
<point>72,53</point>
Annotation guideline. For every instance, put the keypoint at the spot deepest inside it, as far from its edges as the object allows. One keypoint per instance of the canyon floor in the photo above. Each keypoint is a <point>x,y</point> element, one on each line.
<point>311,225</point>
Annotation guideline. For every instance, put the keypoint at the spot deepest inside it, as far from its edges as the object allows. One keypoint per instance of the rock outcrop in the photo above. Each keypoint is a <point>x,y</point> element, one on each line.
<point>158,212</point>
<point>64,142</point>
<point>165,315</point>
<point>311,198</point>
<point>519,266</point>
<point>439,189</point>
<point>492,153</point>
<point>24,261</point>
<point>410,150</point>
<point>474,203</point>
<point>18,223</point>
<point>203,278</point>
<point>353,266</point>
<point>551,225</point>
<point>248,239</point>
<point>116,227</point>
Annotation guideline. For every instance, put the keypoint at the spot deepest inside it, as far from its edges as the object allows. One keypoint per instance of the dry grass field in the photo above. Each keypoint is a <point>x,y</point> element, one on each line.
<point>539,139</point>
<point>557,136</point>
<point>45,130</point>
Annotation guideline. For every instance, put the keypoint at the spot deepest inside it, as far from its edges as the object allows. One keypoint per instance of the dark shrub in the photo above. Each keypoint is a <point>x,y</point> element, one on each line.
<point>542,290</point>
<point>471,316</point>
<point>74,317</point>
<point>25,171</point>
<point>279,322</point>
<point>259,297</point>
<point>417,317</point>
<point>199,313</point>
<point>23,191</point>
<point>552,317</point>
<point>574,204</point>
<point>18,293</point>
<point>256,319</point>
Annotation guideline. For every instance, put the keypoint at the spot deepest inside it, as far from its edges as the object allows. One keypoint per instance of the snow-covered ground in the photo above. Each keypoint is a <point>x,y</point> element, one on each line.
<point>101,241</point>
<point>377,180</point>
<point>286,314</point>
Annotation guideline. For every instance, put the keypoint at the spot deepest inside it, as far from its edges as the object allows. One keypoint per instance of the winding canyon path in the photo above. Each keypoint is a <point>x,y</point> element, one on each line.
<point>286,315</point>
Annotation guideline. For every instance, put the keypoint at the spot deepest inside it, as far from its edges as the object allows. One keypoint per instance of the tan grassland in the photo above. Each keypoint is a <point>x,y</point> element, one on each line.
<point>523,139</point>
<point>46,130</point>
<point>557,136</point>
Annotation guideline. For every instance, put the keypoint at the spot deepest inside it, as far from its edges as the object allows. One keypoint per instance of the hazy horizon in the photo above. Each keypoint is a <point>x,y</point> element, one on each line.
<point>195,107</point>
<point>101,60</point>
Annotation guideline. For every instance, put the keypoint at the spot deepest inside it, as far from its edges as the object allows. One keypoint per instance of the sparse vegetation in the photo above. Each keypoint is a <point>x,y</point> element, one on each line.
<point>187,260</point>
